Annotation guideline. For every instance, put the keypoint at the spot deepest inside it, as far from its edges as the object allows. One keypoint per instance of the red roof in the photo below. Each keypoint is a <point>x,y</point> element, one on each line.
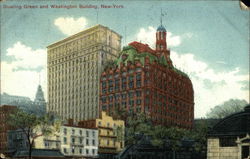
<point>141,47</point>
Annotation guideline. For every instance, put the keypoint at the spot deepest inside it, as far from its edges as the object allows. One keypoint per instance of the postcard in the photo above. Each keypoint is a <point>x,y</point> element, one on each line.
<point>62,53</point>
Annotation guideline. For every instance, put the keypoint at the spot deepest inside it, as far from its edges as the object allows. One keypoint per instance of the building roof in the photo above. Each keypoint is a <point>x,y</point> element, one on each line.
<point>39,153</point>
<point>138,51</point>
<point>237,124</point>
<point>79,34</point>
<point>161,28</point>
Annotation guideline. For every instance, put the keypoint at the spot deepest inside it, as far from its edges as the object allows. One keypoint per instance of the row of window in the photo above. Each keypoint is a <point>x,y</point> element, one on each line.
<point>122,95</point>
<point>80,132</point>
<point>80,140</point>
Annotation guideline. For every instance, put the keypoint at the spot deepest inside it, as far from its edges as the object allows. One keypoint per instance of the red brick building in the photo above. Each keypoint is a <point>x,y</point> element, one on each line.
<point>144,80</point>
<point>5,110</point>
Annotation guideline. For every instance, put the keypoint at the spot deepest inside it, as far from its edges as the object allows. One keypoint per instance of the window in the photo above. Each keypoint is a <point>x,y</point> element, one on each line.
<point>93,133</point>
<point>80,140</point>
<point>65,131</point>
<point>73,150</point>
<point>138,93</point>
<point>138,83</point>
<point>131,103</point>
<point>80,151</point>
<point>87,141</point>
<point>117,85</point>
<point>65,150</point>
<point>65,140</point>
<point>227,141</point>
<point>104,107</point>
<point>110,83</point>
<point>138,76</point>
<point>124,79</point>
<point>93,151</point>
<point>138,102</point>
<point>73,140</point>
<point>87,151</point>
<point>103,99</point>
<point>110,98</point>
<point>124,96</point>
<point>80,132</point>
<point>73,131</point>
<point>93,142</point>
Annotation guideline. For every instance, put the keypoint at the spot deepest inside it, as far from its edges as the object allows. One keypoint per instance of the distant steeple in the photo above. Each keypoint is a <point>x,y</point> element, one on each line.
<point>39,94</point>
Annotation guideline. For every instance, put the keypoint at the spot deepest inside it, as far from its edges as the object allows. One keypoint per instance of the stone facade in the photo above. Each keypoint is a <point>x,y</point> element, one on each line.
<point>214,151</point>
<point>229,138</point>
<point>74,67</point>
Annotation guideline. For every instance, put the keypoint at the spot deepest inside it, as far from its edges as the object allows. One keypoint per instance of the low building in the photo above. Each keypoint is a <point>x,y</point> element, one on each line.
<point>51,141</point>
<point>71,141</point>
<point>111,134</point>
<point>79,142</point>
<point>17,141</point>
<point>5,111</point>
<point>229,138</point>
<point>144,149</point>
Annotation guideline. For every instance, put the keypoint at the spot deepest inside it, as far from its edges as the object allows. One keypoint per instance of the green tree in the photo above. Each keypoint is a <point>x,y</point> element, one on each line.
<point>136,124</point>
<point>199,134</point>
<point>227,108</point>
<point>31,125</point>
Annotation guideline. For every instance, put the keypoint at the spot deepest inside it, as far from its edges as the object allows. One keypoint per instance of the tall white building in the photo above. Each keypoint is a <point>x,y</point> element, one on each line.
<point>74,67</point>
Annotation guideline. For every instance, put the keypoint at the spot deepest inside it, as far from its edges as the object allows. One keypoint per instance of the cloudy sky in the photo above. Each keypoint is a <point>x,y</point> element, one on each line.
<point>209,40</point>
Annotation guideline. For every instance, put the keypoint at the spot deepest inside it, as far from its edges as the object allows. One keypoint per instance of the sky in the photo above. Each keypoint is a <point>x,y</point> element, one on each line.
<point>209,40</point>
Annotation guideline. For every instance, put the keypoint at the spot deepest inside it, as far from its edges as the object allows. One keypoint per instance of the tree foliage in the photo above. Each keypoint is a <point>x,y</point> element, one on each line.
<point>136,124</point>
<point>227,108</point>
<point>141,124</point>
<point>31,125</point>
<point>199,134</point>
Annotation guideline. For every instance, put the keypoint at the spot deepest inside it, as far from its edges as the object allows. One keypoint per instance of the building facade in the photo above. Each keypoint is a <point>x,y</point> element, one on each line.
<point>143,80</point>
<point>5,111</point>
<point>74,66</point>
<point>111,133</point>
<point>229,138</point>
<point>50,141</point>
<point>78,141</point>
<point>17,141</point>
<point>72,141</point>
